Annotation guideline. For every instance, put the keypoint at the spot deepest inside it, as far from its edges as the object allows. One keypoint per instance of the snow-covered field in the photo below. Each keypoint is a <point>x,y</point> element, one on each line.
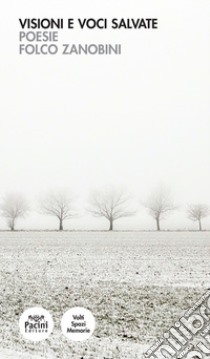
<point>135,283</point>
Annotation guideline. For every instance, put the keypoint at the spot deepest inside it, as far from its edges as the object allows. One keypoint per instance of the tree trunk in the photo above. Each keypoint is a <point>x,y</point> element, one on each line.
<point>61,225</point>
<point>12,224</point>
<point>200,225</point>
<point>158,223</point>
<point>110,225</point>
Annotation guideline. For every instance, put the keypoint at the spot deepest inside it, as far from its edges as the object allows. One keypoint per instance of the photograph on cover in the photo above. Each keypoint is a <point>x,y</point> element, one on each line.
<point>105,173</point>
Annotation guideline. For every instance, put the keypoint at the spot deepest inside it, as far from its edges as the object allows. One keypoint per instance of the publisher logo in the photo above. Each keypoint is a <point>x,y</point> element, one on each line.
<point>78,324</point>
<point>36,324</point>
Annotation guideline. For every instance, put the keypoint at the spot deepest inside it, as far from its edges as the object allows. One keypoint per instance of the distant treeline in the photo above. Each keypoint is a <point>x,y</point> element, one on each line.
<point>108,202</point>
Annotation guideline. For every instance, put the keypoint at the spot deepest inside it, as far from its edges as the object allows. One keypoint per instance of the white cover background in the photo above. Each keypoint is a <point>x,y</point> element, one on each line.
<point>134,120</point>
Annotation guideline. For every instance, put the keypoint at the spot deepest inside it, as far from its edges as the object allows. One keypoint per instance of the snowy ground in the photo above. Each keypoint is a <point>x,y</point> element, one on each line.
<point>136,285</point>
<point>12,354</point>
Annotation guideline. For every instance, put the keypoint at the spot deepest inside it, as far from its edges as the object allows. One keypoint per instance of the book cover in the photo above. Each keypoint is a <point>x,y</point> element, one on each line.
<point>104,201</point>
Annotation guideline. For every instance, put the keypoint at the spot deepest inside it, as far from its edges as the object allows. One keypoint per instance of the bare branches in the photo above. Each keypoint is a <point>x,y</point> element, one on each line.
<point>14,206</point>
<point>197,212</point>
<point>160,204</point>
<point>58,204</point>
<point>111,204</point>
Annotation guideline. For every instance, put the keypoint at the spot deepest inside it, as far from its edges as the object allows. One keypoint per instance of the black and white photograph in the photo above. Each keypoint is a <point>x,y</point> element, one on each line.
<point>105,179</point>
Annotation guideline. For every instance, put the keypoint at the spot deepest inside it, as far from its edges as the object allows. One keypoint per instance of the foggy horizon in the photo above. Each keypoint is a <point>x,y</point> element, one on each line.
<point>135,121</point>
<point>36,219</point>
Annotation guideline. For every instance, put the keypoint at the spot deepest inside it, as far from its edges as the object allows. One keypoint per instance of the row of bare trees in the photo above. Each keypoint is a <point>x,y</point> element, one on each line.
<point>109,203</point>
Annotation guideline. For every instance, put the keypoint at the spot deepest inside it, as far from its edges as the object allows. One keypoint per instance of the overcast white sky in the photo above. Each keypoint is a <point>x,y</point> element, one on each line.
<point>134,120</point>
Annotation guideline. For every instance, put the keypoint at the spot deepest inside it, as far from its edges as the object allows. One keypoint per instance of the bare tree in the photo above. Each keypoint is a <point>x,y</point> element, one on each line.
<point>14,206</point>
<point>58,204</point>
<point>159,204</point>
<point>197,212</point>
<point>111,204</point>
